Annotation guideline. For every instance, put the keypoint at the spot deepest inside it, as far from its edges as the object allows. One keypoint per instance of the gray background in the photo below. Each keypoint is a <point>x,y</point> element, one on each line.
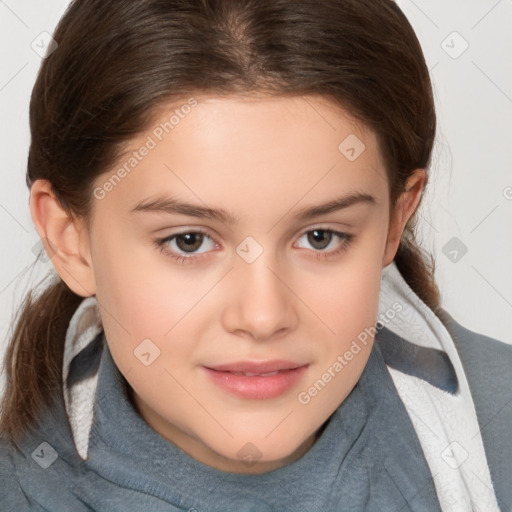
<point>468,204</point>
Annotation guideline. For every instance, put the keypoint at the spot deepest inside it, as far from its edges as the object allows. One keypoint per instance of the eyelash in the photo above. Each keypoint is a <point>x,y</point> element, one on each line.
<point>161,244</point>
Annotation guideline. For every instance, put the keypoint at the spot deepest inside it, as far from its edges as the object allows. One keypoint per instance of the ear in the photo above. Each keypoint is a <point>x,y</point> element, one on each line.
<point>64,238</point>
<point>405,206</point>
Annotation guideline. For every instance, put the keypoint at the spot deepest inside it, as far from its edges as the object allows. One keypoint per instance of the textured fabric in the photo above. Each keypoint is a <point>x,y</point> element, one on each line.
<point>380,450</point>
<point>487,363</point>
<point>443,415</point>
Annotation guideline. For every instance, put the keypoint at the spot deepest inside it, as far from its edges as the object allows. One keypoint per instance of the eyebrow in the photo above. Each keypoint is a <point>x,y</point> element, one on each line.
<point>172,206</point>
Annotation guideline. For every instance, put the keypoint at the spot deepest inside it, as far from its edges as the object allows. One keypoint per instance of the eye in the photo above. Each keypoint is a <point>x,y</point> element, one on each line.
<point>183,247</point>
<point>321,239</point>
<point>188,242</point>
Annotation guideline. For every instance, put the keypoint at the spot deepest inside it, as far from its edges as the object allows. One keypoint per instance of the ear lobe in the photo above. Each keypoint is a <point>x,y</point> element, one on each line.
<point>64,239</point>
<point>405,207</point>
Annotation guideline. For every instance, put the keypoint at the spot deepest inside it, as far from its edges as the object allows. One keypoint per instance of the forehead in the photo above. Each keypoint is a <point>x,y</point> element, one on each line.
<point>275,150</point>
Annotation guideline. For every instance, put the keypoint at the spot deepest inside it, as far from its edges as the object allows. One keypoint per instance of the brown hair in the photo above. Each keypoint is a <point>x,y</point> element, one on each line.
<point>117,62</point>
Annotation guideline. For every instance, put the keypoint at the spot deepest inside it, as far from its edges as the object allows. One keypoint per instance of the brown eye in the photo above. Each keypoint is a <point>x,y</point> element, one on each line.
<point>322,238</point>
<point>187,246</point>
<point>319,238</point>
<point>189,241</point>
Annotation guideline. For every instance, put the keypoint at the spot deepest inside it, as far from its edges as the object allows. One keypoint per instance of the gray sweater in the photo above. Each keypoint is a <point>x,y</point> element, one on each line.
<point>367,458</point>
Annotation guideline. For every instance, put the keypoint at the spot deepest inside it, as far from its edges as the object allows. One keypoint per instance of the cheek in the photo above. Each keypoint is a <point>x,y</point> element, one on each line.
<point>141,298</point>
<point>136,288</point>
<point>351,312</point>
<point>349,297</point>
<point>349,309</point>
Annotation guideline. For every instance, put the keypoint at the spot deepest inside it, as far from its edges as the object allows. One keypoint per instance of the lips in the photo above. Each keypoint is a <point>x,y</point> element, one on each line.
<point>257,380</point>
<point>256,367</point>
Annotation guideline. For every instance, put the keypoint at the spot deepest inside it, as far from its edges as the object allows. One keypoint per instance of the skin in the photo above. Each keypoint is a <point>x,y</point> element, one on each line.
<point>262,159</point>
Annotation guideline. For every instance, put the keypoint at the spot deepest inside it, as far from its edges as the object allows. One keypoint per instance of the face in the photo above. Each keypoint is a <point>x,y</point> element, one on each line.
<point>225,302</point>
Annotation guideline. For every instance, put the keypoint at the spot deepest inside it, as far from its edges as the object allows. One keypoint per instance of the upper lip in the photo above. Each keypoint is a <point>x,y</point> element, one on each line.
<point>257,366</point>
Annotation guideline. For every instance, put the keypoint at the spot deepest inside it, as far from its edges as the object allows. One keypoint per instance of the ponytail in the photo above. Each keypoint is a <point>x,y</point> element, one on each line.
<point>33,360</point>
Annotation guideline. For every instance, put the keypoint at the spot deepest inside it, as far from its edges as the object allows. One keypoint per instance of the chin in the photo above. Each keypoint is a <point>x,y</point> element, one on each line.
<point>273,448</point>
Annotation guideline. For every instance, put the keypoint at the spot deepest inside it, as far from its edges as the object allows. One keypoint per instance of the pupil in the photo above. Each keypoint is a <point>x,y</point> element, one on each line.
<point>324,238</point>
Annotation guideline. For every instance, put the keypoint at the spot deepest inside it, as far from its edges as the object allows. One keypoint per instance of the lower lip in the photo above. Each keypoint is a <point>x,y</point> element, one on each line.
<point>257,387</point>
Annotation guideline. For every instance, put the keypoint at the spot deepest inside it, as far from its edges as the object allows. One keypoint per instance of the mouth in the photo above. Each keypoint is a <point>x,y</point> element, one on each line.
<point>257,380</point>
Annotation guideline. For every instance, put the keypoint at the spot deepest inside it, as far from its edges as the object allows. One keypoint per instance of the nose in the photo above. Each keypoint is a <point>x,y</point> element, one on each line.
<point>261,304</point>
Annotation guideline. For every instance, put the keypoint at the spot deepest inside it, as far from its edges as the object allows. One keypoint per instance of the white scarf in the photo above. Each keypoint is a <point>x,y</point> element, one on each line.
<point>446,424</point>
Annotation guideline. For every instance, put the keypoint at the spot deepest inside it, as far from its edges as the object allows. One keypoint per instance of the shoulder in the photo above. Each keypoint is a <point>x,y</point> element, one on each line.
<point>28,484</point>
<point>477,350</point>
<point>487,364</point>
<point>487,361</point>
<point>12,496</point>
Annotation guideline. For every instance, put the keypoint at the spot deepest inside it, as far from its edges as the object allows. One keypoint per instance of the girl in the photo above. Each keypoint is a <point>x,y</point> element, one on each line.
<point>242,320</point>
